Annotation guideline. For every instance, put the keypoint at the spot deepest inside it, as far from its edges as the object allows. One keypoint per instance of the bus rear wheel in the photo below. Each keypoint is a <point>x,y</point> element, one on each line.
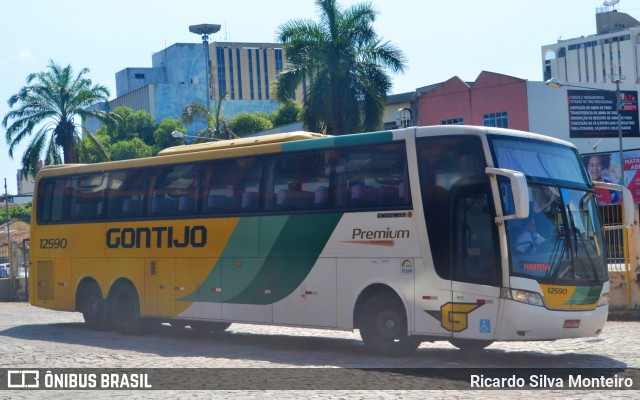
<point>125,309</point>
<point>470,344</point>
<point>94,308</point>
<point>209,326</point>
<point>383,326</point>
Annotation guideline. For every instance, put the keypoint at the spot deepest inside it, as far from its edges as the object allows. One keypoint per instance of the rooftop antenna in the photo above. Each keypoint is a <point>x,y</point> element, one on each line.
<point>610,3</point>
<point>205,30</point>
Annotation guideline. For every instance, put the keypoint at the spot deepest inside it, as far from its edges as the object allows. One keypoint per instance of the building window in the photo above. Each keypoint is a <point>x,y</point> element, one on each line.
<point>138,76</point>
<point>222,77</point>
<point>258,74</point>
<point>251,73</point>
<point>499,120</point>
<point>266,73</point>
<point>453,121</point>
<point>231,83</point>
<point>278,60</point>
<point>238,65</point>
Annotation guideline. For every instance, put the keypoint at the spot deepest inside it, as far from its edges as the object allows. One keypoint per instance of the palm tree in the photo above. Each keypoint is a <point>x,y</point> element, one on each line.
<point>47,108</point>
<point>216,124</point>
<point>344,62</point>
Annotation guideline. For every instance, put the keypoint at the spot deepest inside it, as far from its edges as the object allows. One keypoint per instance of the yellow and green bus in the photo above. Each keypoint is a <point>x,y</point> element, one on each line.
<point>413,235</point>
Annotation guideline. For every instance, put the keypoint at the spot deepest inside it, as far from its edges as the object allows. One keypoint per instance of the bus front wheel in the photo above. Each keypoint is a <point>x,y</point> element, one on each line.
<point>125,309</point>
<point>94,308</point>
<point>383,326</point>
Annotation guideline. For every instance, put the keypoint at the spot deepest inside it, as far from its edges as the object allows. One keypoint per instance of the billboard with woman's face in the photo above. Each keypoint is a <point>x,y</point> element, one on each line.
<point>605,167</point>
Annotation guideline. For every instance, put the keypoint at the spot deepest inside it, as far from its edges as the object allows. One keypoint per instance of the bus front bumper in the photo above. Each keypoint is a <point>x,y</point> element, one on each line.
<point>522,321</point>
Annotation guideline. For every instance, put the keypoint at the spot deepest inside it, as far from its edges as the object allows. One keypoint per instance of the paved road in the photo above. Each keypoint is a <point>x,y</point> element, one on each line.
<point>35,338</point>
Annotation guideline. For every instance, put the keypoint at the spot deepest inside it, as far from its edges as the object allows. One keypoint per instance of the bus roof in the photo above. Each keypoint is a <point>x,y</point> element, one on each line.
<point>241,142</point>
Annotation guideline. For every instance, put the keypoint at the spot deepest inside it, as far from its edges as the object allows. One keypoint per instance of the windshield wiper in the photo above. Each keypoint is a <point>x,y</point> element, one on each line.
<point>576,235</point>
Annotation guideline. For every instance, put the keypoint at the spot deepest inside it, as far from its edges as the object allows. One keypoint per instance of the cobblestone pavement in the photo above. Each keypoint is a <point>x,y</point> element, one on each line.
<point>36,338</point>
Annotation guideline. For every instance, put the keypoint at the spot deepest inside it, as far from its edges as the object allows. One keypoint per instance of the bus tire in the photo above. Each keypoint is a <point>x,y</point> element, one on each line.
<point>94,308</point>
<point>125,309</point>
<point>209,326</point>
<point>470,345</point>
<point>383,326</point>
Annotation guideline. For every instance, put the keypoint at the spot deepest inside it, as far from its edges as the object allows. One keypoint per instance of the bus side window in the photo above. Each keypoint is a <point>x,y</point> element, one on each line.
<point>175,191</point>
<point>300,181</point>
<point>447,165</point>
<point>373,177</point>
<point>232,186</point>
<point>87,199</point>
<point>53,200</point>
<point>127,193</point>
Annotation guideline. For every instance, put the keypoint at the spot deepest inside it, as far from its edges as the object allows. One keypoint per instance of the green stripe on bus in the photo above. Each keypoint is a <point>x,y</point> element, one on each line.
<point>290,246</point>
<point>339,141</point>
<point>292,257</point>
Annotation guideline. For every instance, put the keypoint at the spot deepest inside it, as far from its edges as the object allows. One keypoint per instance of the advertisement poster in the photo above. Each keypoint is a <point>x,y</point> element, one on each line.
<point>605,167</point>
<point>593,114</point>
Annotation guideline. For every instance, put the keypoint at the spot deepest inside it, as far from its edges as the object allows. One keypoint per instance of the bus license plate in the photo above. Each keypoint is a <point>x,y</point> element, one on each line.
<point>571,323</point>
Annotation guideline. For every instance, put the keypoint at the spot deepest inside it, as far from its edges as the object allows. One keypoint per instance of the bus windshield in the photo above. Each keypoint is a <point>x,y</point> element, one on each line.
<point>561,240</point>
<point>539,161</point>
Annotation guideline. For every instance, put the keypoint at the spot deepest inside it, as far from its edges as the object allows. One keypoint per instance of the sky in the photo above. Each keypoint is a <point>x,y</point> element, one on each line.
<point>440,39</point>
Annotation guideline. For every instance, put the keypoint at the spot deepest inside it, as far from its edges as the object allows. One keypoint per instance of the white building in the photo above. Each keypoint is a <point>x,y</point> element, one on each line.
<point>612,52</point>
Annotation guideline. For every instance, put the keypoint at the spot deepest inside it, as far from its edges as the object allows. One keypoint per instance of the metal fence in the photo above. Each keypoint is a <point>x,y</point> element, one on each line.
<point>611,216</point>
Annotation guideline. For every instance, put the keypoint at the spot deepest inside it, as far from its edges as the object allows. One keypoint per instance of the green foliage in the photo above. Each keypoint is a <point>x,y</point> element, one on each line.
<point>348,63</point>
<point>162,136</point>
<point>128,149</point>
<point>216,124</point>
<point>89,150</point>
<point>288,113</point>
<point>45,110</point>
<point>132,124</point>
<point>246,123</point>
<point>20,212</point>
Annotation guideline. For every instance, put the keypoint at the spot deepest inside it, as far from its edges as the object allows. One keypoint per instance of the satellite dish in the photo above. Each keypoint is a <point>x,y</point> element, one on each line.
<point>610,3</point>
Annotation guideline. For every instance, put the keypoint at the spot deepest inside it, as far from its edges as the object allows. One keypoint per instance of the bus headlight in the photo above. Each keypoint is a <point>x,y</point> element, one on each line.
<point>522,296</point>
<point>604,299</point>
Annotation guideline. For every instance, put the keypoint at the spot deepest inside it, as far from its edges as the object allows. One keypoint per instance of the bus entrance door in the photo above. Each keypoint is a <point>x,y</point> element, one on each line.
<point>475,267</point>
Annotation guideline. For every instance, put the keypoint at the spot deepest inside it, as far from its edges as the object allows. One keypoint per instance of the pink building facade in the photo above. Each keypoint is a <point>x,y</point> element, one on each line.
<point>492,98</point>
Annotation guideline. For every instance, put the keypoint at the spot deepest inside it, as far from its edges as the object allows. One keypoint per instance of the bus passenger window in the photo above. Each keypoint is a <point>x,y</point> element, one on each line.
<point>87,200</point>
<point>232,186</point>
<point>300,181</point>
<point>127,193</point>
<point>374,177</point>
<point>174,192</point>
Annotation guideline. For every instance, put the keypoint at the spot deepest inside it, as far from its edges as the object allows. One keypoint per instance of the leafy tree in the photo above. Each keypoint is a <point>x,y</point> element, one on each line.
<point>20,212</point>
<point>217,127</point>
<point>246,123</point>
<point>46,108</point>
<point>288,113</point>
<point>128,149</point>
<point>347,62</point>
<point>162,136</point>
<point>94,148</point>
<point>133,124</point>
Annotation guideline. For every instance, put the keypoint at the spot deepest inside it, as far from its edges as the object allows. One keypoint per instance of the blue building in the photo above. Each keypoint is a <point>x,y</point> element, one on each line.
<point>243,72</point>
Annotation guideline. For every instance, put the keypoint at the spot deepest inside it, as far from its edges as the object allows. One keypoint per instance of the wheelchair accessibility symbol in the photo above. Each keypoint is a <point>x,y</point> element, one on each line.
<point>485,326</point>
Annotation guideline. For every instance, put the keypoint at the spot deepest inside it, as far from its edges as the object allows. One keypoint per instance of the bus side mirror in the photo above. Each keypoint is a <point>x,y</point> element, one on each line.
<point>627,200</point>
<point>519,190</point>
